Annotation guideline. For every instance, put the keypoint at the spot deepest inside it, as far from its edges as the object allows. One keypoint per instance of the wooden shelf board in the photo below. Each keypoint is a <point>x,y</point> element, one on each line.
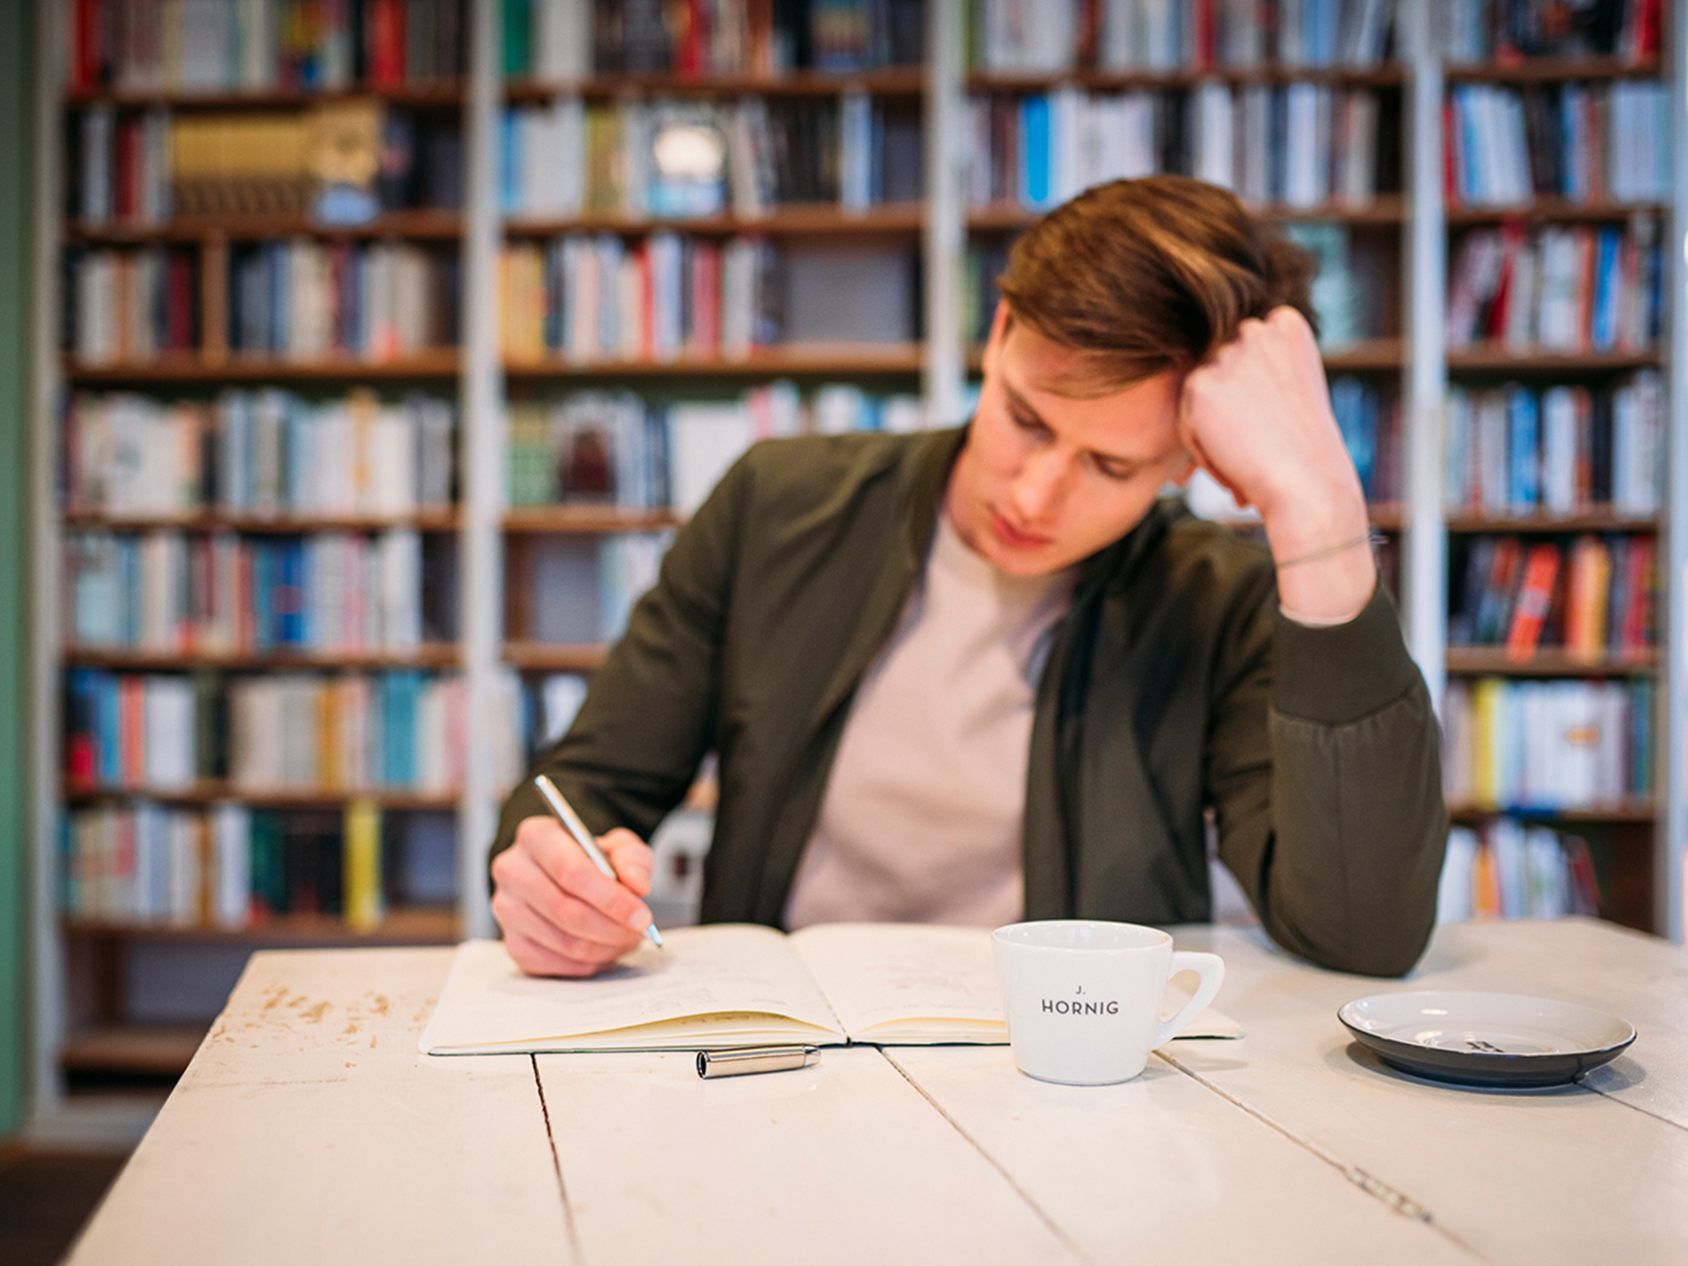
<point>1548,69</point>
<point>417,926</point>
<point>443,93</point>
<point>433,655</point>
<point>586,520</point>
<point>820,360</point>
<point>1553,209</point>
<point>1629,811</point>
<point>1584,521</point>
<point>896,81</point>
<point>1385,209</point>
<point>163,1050</point>
<point>260,524</point>
<point>1499,358</point>
<point>430,225</point>
<point>1487,660</point>
<point>1098,80</point>
<point>243,369</point>
<point>794,219</point>
<point>555,657</point>
<point>206,793</point>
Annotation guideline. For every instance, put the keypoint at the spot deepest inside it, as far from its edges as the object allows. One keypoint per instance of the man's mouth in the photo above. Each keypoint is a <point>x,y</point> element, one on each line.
<point>1015,538</point>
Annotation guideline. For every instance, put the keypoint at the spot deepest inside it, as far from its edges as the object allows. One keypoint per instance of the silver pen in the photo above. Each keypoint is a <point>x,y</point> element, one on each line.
<point>735,1061</point>
<point>575,827</point>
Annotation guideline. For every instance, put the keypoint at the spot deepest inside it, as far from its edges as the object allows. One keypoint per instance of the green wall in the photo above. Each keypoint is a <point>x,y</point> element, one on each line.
<point>17,114</point>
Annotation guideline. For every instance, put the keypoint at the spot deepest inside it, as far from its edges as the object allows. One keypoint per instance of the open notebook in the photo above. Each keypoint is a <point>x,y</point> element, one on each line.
<point>739,984</point>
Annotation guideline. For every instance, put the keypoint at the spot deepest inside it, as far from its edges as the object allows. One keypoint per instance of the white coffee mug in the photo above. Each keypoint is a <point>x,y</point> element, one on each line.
<point>1082,996</point>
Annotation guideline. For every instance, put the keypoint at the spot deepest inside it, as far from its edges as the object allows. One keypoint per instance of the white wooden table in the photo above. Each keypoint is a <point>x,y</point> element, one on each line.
<point>308,1129</point>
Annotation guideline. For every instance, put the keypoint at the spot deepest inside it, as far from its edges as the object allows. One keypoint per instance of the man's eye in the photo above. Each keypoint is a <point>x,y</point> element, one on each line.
<point>1025,424</point>
<point>1117,473</point>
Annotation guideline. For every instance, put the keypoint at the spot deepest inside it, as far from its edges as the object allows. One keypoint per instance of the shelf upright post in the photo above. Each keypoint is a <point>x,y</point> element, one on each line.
<point>1671,770</point>
<point>1424,533</point>
<point>944,373</point>
<point>46,944</point>
<point>482,487</point>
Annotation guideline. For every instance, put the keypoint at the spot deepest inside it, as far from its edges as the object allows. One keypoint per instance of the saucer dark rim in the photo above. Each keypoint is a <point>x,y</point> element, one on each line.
<point>1483,1068</point>
<point>1563,1070</point>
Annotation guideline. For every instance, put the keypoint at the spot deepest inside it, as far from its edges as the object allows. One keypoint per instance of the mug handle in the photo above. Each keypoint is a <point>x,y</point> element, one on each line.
<point>1211,968</point>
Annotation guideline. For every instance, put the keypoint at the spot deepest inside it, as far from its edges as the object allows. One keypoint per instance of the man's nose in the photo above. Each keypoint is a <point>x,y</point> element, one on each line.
<point>1037,489</point>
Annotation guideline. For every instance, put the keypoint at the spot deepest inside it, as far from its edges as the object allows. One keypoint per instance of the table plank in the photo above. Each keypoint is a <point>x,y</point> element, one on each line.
<point>1162,1169</point>
<point>1643,979</point>
<point>1557,1175</point>
<point>309,1129</point>
<point>843,1162</point>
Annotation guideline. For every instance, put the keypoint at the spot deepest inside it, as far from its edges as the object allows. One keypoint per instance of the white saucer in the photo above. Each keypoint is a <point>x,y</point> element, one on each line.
<point>1486,1039</point>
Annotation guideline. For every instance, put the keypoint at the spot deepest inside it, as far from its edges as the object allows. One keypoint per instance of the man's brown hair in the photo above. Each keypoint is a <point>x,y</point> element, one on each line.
<point>1150,274</point>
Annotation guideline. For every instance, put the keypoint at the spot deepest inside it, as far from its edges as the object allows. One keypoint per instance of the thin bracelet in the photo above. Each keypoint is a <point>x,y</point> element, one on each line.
<point>1370,537</point>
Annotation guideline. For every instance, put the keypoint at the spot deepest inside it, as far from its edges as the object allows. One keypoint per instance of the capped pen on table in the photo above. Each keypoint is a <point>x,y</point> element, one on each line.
<point>565,814</point>
<point>735,1061</point>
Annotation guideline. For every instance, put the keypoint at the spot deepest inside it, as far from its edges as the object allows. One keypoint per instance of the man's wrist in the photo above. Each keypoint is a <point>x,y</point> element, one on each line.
<point>1325,569</point>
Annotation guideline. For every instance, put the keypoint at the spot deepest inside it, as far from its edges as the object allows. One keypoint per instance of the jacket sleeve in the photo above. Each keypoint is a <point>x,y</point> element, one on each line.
<point>1324,769</point>
<point>649,716</point>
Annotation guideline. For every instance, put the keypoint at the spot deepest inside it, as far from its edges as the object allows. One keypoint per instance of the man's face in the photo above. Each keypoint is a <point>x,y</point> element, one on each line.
<point>1047,479</point>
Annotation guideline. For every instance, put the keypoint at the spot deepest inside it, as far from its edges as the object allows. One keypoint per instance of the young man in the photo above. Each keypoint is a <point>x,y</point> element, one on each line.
<point>983,674</point>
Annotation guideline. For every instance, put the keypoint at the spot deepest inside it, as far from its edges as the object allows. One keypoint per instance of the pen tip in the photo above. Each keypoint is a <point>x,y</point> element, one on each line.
<point>656,937</point>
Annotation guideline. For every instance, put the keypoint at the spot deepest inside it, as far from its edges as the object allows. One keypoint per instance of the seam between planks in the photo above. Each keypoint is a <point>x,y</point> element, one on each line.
<point>1396,1201</point>
<point>1065,1240</point>
<point>1633,1107</point>
<point>556,1164</point>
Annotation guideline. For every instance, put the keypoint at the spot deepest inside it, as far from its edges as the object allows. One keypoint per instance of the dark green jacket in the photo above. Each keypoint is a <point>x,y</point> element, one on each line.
<point>1172,685</point>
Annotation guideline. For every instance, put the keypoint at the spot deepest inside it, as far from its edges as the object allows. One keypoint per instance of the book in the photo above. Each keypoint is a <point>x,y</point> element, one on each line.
<point>736,984</point>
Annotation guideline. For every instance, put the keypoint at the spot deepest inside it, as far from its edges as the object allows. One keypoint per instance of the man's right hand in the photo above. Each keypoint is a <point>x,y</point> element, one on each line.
<point>560,915</point>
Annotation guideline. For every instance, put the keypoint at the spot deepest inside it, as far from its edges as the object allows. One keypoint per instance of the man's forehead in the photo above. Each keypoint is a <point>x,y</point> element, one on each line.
<point>1039,366</point>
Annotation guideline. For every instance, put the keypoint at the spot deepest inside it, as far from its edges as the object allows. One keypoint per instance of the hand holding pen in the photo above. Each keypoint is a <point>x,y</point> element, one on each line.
<point>564,911</point>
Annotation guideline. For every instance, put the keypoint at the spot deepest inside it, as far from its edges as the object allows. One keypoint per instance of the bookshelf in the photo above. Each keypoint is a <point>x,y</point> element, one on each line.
<point>1404,234</point>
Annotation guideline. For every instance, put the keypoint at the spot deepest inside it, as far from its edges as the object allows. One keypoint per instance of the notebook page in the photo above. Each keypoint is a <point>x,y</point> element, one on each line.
<point>884,975</point>
<point>919,983</point>
<point>738,970</point>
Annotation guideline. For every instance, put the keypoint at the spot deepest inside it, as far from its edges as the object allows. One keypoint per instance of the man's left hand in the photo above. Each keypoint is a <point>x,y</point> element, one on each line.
<point>1257,417</point>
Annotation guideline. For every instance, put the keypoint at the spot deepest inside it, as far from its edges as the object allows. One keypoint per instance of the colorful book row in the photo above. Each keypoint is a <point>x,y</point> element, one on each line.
<point>296,299</point>
<point>1564,449</point>
<point>698,158</point>
<point>1593,597</point>
<point>144,168</point>
<point>1507,870</point>
<point>1575,141</point>
<point>1511,30</point>
<point>598,297</point>
<point>294,731</point>
<point>172,592</point>
<point>1547,745</point>
<point>1570,289</point>
<point>261,45</point>
<point>618,448</point>
<point>227,866</point>
<point>1299,145</point>
<point>1036,36</point>
<point>260,452</point>
<point>571,39</point>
